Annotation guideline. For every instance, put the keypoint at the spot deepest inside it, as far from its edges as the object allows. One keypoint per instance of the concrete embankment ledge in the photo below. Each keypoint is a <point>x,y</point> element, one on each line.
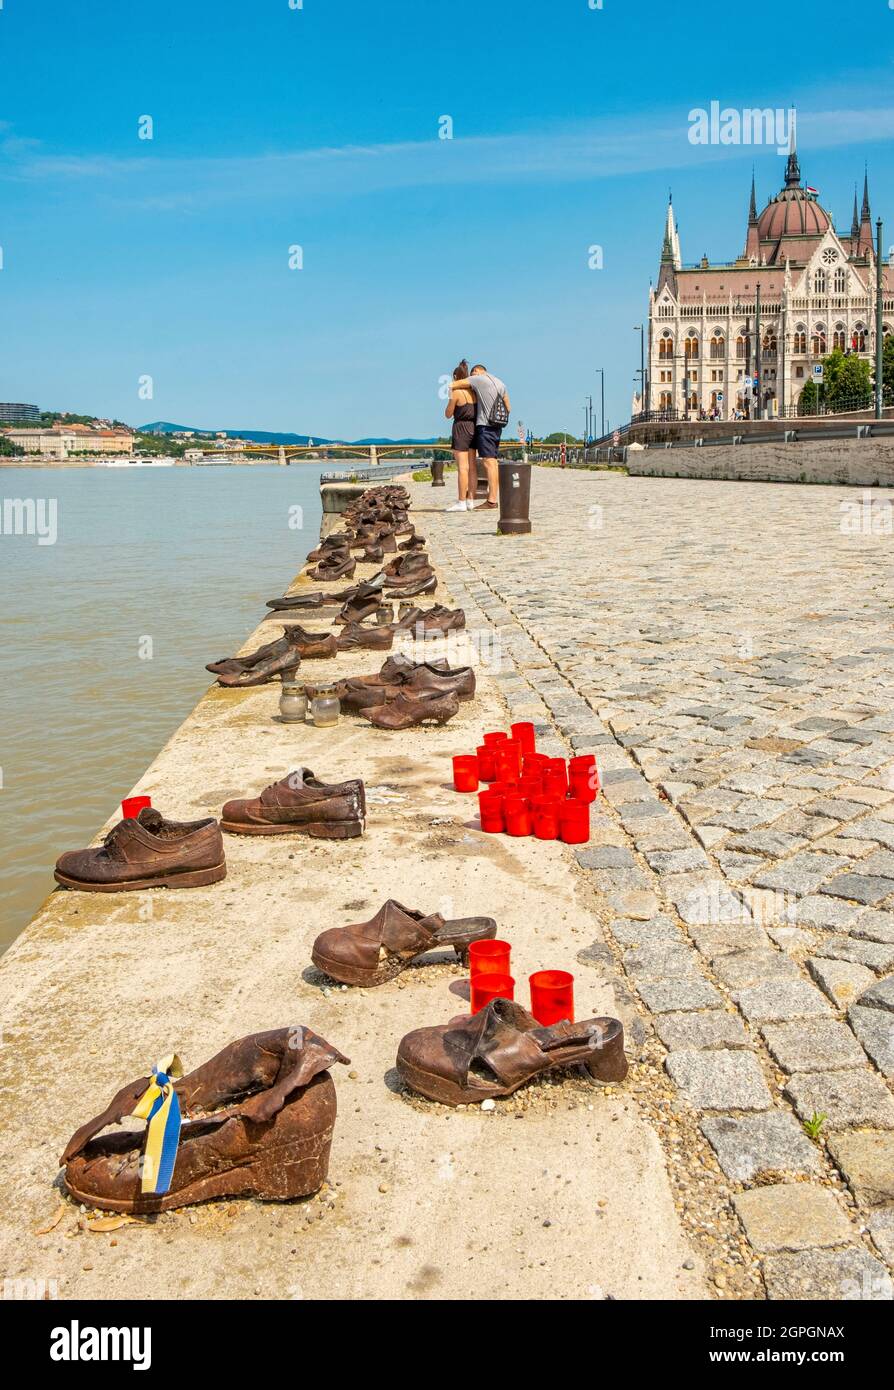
<point>560,1192</point>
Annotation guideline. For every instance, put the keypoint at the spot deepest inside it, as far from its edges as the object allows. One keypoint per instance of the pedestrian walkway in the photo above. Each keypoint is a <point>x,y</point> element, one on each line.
<point>727,651</point>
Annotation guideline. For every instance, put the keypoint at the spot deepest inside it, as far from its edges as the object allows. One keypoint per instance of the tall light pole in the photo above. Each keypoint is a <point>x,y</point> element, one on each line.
<point>879,325</point>
<point>602,384</point>
<point>640,328</point>
<point>758,374</point>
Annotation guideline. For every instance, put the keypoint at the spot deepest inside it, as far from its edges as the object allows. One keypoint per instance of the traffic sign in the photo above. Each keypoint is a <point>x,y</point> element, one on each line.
<point>817,371</point>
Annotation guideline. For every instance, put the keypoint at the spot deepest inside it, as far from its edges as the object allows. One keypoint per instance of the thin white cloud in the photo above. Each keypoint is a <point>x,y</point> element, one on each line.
<point>585,151</point>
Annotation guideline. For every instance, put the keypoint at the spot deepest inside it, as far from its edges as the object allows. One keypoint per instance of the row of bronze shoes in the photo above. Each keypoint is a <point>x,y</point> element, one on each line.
<point>257,1119</point>
<point>403,693</point>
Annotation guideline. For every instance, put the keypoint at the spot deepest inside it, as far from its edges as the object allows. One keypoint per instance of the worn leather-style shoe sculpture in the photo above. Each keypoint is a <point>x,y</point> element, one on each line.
<point>335,543</point>
<point>427,583</point>
<point>254,1121</point>
<point>489,1054</point>
<point>410,708</point>
<point>300,646</point>
<point>148,852</point>
<point>290,601</point>
<point>300,804</point>
<point>431,622</point>
<point>356,609</point>
<point>340,565</point>
<point>377,639</point>
<point>370,953</point>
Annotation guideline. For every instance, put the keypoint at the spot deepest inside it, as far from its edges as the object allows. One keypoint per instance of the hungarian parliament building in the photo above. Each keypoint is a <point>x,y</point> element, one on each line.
<point>817,292</point>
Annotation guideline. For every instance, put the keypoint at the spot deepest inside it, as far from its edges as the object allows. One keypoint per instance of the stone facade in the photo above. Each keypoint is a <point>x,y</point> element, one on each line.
<point>817,292</point>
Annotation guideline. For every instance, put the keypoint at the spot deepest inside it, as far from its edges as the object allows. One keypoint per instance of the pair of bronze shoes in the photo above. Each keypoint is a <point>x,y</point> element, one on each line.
<point>470,1058</point>
<point>275,658</point>
<point>406,693</point>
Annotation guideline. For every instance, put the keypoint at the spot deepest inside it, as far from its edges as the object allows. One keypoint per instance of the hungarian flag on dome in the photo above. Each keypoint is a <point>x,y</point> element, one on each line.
<point>814,191</point>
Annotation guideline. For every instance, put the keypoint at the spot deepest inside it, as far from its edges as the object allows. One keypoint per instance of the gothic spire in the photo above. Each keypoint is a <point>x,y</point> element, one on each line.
<point>752,206</point>
<point>865,215</point>
<point>855,221</point>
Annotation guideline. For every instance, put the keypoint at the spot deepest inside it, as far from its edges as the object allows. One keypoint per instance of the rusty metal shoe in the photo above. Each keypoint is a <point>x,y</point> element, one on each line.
<point>256,1121</point>
<point>341,566</point>
<point>415,588</point>
<point>406,565</point>
<point>371,953</point>
<point>460,681</point>
<point>410,708</point>
<point>356,609</point>
<point>301,646</point>
<point>431,622</point>
<point>237,665</point>
<point>300,804</point>
<point>364,589</point>
<point>149,852</point>
<point>490,1054</point>
<point>377,639</point>
<point>330,545</point>
<point>290,601</point>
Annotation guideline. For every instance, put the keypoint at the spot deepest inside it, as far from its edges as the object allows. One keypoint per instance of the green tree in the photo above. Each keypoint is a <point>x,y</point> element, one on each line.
<point>8,449</point>
<point>807,401</point>
<point>887,370</point>
<point>848,381</point>
<point>560,436</point>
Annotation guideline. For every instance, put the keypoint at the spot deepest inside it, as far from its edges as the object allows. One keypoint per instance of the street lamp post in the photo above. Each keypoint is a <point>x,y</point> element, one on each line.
<point>640,328</point>
<point>879,325</point>
<point>757,352</point>
<point>602,384</point>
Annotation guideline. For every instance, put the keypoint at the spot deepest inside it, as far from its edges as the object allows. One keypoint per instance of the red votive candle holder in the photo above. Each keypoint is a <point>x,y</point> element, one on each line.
<point>523,733</point>
<point>584,784</point>
<point>517,815</point>
<point>465,772</point>
<point>131,806</point>
<point>489,958</point>
<point>574,822</point>
<point>491,740</point>
<point>545,815</point>
<point>555,783</point>
<point>535,763</point>
<point>490,811</point>
<point>552,996</point>
<point>508,761</point>
<point>487,763</point>
<point>488,987</point>
<point>530,787</point>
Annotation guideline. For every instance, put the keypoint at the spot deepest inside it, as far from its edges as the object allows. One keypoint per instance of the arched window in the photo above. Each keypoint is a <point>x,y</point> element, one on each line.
<point>690,347</point>
<point>858,338</point>
<point>718,344</point>
<point>665,401</point>
<point>819,340</point>
<point>839,337</point>
<point>693,400</point>
<point>769,345</point>
<point>886,330</point>
<point>665,345</point>
<point>799,341</point>
<point>819,282</point>
<point>839,281</point>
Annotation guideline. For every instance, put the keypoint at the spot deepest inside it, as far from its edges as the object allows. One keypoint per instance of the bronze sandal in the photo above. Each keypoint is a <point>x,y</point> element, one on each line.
<point>370,953</point>
<point>491,1053</point>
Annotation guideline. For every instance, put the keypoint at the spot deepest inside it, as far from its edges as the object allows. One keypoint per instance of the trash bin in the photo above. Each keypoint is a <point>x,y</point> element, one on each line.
<point>437,473</point>
<point>515,498</point>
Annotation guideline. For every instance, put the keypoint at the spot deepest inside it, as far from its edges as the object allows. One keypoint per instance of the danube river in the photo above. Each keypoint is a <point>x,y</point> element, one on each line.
<point>131,579</point>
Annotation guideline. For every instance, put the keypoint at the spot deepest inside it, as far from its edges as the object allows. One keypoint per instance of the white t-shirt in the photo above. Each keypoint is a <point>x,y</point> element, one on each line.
<point>488,390</point>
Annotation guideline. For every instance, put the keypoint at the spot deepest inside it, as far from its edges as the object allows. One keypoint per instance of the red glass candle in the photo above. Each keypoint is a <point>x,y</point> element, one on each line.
<point>508,760</point>
<point>574,822</point>
<point>584,784</point>
<point>493,739</point>
<point>560,768</point>
<point>554,783</point>
<point>490,811</point>
<point>489,958</point>
<point>465,772</point>
<point>535,764</point>
<point>131,806</point>
<point>517,815</point>
<point>487,763</point>
<point>552,996</point>
<point>523,733</point>
<point>545,816</point>
<point>488,987</point>
<point>530,787</point>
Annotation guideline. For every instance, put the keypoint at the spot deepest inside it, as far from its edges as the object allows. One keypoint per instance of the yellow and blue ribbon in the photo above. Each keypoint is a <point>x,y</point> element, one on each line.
<point>159,1106</point>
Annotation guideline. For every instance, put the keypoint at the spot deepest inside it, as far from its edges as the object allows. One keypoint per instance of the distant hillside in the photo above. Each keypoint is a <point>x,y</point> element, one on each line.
<point>268,436</point>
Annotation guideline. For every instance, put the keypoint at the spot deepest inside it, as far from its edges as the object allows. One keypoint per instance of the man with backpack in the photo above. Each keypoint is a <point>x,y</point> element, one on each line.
<point>491,417</point>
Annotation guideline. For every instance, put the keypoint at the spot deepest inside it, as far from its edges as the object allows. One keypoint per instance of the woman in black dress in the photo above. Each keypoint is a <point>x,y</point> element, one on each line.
<point>461,410</point>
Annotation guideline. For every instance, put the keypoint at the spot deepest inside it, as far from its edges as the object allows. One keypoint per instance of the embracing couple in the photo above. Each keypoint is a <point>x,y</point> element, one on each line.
<point>479,409</point>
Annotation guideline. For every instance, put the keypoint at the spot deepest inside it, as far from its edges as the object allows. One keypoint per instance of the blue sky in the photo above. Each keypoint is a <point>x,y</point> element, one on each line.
<point>319,127</point>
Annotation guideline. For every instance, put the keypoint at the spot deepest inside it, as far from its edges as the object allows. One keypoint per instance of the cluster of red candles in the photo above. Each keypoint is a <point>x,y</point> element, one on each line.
<point>552,991</point>
<point>529,793</point>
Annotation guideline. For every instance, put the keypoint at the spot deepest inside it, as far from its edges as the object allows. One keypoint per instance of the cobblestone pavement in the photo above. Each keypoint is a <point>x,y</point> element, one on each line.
<point>727,651</point>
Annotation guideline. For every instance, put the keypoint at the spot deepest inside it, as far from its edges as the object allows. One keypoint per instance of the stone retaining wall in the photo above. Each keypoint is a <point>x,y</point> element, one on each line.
<point>847,462</point>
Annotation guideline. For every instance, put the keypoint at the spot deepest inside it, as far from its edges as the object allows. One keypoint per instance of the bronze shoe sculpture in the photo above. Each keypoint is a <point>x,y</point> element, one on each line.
<point>302,646</point>
<point>489,1054</point>
<point>425,583</point>
<point>341,565</point>
<point>254,1121</point>
<point>370,953</point>
<point>300,804</point>
<point>148,852</point>
<point>353,636</point>
<point>410,708</point>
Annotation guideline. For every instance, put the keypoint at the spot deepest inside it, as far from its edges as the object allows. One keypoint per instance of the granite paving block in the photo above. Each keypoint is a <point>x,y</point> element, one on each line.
<point>853,1097</point>
<point>716,1028</point>
<point>818,911</point>
<point>780,1003</point>
<point>629,931</point>
<point>881,1228</point>
<point>842,981</point>
<point>755,1146</point>
<point>791,1216</point>
<point>875,1029</point>
<point>718,941</point>
<point>872,925</point>
<point>801,874</point>
<point>866,1158</point>
<point>813,1045</point>
<point>861,888</point>
<point>669,996</point>
<point>741,969</point>
<point>879,995</point>
<point>605,857</point>
<point>662,961</point>
<point>719,1080</point>
<point>827,1276</point>
<point>874,955</point>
